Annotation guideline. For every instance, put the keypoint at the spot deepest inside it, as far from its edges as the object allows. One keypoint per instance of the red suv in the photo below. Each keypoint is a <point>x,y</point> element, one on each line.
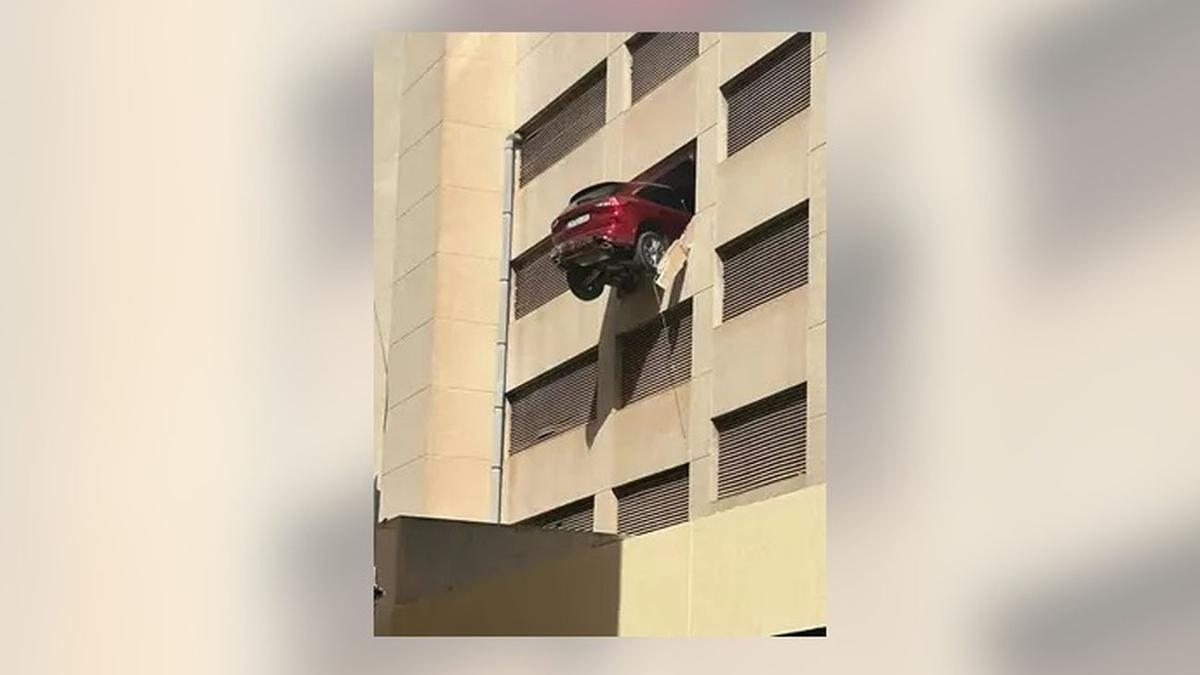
<point>612,233</point>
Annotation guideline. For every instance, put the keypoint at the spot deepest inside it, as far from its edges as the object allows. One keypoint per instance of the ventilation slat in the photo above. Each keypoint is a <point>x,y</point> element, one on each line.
<point>655,358</point>
<point>763,442</point>
<point>656,57</point>
<point>653,503</point>
<point>554,402</point>
<point>576,517</point>
<point>564,125</point>
<point>765,263</point>
<point>536,279</point>
<point>771,91</point>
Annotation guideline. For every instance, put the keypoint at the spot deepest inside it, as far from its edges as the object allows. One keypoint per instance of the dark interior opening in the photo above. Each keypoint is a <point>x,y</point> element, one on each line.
<point>677,170</point>
<point>811,632</point>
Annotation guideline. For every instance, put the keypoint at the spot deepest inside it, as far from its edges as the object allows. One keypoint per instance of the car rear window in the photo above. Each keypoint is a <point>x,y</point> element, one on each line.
<point>597,192</point>
<point>663,196</point>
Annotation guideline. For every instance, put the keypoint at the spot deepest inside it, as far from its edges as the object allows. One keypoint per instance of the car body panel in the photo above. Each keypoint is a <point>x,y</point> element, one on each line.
<point>615,214</point>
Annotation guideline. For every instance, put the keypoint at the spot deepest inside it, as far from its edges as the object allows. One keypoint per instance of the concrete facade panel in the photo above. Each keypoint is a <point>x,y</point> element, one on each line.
<point>764,179</point>
<point>414,298</point>
<point>456,487</point>
<point>417,234</point>
<point>553,333</point>
<point>423,107</point>
<point>815,354</point>
<point>760,352</point>
<point>471,156</point>
<point>469,223</point>
<point>662,122</point>
<point>467,288</point>
<point>410,363</point>
<point>402,490</point>
<point>817,271</point>
<point>408,430</point>
<point>552,66</point>
<point>554,472</point>
<point>500,47</point>
<point>479,92</point>
<point>459,423</point>
<point>463,354</point>
<point>419,172</point>
<point>421,51</point>
<point>740,50</point>
<point>749,578</point>
<point>654,598</point>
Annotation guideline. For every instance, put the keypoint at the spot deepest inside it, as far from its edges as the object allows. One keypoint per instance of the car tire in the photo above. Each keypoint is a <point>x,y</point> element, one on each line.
<point>651,247</point>
<point>585,284</point>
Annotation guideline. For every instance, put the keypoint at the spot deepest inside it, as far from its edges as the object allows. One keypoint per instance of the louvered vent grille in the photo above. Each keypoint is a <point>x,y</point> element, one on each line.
<point>766,262</point>
<point>536,279</point>
<point>768,93</point>
<point>563,125</point>
<point>657,56</point>
<point>761,443</point>
<point>656,357</point>
<point>576,516</point>
<point>554,402</point>
<point>653,503</point>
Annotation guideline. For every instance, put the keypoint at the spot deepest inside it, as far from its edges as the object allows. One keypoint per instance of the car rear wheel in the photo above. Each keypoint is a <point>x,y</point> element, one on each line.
<point>585,284</point>
<point>651,246</point>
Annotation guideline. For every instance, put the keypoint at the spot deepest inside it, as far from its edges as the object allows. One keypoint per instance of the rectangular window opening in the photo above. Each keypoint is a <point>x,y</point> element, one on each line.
<point>554,402</point>
<point>653,503</point>
<point>576,517</point>
<point>768,93</point>
<point>563,125</point>
<point>656,57</point>
<point>766,262</point>
<point>763,442</point>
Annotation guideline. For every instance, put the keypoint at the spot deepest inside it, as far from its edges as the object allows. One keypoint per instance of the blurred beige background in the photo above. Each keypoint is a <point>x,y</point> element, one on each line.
<point>185,440</point>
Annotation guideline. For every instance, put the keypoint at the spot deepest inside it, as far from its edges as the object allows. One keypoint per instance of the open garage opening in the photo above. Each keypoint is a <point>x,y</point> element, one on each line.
<point>677,170</point>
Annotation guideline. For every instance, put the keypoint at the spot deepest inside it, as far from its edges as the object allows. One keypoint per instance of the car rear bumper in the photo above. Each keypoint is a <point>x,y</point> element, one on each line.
<point>585,250</point>
<point>591,242</point>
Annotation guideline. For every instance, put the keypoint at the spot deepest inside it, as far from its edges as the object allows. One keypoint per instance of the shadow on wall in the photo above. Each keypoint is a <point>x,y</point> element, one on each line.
<point>566,583</point>
<point>621,314</point>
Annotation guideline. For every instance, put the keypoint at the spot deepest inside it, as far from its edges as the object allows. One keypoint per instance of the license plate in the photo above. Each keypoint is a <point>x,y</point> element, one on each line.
<point>578,220</point>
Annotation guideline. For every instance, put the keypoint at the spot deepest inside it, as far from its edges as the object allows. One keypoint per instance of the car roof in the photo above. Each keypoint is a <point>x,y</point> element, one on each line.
<point>623,184</point>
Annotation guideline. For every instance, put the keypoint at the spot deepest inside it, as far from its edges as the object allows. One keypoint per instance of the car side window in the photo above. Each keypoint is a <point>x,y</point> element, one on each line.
<point>662,197</point>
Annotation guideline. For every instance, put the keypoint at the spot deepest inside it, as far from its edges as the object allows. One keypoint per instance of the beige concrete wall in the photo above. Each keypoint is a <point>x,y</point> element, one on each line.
<point>751,564</point>
<point>456,104</point>
<point>458,95</point>
<point>776,345</point>
<point>758,569</point>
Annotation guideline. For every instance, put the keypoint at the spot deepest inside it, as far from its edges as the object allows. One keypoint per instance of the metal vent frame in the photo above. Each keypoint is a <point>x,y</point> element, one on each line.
<point>762,442</point>
<point>769,92</point>
<point>766,262</point>
<point>553,403</point>
<point>657,57</point>
<point>654,502</point>
<point>577,516</point>
<point>563,125</point>
<point>536,279</point>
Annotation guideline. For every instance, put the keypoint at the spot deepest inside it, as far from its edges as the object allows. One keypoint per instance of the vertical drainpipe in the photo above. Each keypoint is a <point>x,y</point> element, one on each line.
<point>498,398</point>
